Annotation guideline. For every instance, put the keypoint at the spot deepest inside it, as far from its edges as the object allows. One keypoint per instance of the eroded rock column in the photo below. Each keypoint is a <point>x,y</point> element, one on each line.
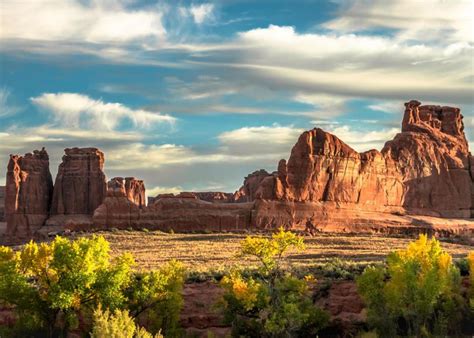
<point>28,193</point>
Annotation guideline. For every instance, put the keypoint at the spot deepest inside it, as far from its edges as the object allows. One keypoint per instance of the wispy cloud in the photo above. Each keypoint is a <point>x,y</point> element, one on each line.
<point>6,107</point>
<point>73,20</point>
<point>76,110</point>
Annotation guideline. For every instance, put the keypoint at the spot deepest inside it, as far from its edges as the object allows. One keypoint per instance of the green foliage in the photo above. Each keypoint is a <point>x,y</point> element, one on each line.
<point>52,285</point>
<point>118,324</point>
<point>47,282</point>
<point>417,294</point>
<point>470,259</point>
<point>274,304</point>
<point>157,295</point>
<point>270,251</point>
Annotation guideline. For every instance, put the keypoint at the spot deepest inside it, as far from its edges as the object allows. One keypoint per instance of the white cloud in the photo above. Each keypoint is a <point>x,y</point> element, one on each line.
<point>362,140</point>
<point>76,110</point>
<point>163,190</point>
<point>387,107</point>
<point>201,12</point>
<point>6,108</point>
<point>422,20</point>
<point>74,20</point>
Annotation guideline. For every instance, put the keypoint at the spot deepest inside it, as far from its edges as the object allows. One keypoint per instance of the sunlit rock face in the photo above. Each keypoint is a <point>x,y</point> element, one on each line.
<point>28,192</point>
<point>427,168</point>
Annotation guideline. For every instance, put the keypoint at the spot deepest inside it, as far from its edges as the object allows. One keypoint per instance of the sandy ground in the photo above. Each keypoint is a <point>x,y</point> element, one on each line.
<point>215,252</point>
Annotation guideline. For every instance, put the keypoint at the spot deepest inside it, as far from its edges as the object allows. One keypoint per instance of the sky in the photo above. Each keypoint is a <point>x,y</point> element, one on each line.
<point>194,96</point>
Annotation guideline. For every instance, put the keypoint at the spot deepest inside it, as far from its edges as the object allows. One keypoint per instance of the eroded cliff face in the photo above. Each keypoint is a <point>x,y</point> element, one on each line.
<point>129,187</point>
<point>425,169</point>
<point>80,185</point>
<point>28,193</point>
<point>2,204</point>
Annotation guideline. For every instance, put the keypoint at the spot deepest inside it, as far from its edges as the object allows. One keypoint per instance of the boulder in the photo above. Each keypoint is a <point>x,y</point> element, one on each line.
<point>28,193</point>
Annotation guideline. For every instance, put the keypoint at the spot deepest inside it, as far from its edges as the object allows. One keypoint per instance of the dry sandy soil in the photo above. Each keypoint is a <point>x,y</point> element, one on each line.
<point>219,252</point>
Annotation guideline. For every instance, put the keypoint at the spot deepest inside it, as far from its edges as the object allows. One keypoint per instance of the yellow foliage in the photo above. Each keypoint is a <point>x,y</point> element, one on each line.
<point>245,291</point>
<point>470,259</point>
<point>270,251</point>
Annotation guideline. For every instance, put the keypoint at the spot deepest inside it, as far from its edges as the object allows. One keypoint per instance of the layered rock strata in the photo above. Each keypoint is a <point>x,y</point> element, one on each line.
<point>28,192</point>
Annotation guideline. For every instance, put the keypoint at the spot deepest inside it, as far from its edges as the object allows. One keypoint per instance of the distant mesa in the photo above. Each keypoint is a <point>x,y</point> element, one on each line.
<point>422,180</point>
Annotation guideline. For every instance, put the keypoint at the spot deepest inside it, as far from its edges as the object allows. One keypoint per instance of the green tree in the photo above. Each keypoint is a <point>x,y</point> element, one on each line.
<point>470,259</point>
<point>50,284</point>
<point>157,296</point>
<point>274,304</point>
<point>418,293</point>
<point>118,324</point>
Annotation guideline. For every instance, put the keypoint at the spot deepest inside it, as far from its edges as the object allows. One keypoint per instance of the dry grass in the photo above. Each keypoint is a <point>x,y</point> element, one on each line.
<point>219,252</point>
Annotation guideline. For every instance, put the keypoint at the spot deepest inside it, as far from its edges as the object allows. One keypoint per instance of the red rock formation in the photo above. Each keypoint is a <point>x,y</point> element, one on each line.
<point>215,196</point>
<point>128,187</point>
<point>28,192</point>
<point>425,169</point>
<point>2,204</point>
<point>433,159</point>
<point>177,213</point>
<point>208,196</point>
<point>252,183</point>
<point>80,185</point>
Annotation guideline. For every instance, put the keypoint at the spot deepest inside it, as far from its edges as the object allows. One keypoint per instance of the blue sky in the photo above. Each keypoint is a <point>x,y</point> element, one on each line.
<point>195,95</point>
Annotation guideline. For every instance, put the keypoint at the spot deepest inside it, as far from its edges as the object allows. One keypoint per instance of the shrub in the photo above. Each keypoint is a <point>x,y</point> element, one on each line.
<point>470,259</point>
<point>118,324</point>
<point>417,294</point>
<point>157,296</point>
<point>274,303</point>
<point>50,284</point>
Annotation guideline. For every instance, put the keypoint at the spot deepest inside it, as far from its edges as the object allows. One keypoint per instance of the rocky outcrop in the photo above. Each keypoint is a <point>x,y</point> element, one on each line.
<point>215,196</point>
<point>208,196</point>
<point>2,204</point>
<point>28,192</point>
<point>80,185</point>
<point>424,174</point>
<point>424,170</point>
<point>253,185</point>
<point>129,187</point>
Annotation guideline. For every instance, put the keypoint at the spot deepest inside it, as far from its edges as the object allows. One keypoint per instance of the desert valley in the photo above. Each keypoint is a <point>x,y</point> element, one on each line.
<point>236,168</point>
<point>352,208</point>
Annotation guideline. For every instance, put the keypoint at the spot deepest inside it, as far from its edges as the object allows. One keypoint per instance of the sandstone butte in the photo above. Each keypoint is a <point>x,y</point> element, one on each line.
<point>421,181</point>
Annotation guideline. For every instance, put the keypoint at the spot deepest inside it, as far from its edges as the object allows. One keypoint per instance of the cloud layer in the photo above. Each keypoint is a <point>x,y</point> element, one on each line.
<point>80,111</point>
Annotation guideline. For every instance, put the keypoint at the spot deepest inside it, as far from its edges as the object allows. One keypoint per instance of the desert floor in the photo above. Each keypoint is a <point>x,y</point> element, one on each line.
<point>213,253</point>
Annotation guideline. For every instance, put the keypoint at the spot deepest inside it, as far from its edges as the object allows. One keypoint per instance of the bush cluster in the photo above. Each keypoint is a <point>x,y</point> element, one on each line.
<point>56,287</point>
<point>275,303</point>
<point>417,293</point>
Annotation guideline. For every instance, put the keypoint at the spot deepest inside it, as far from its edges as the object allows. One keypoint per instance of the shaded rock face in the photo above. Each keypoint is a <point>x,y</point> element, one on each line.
<point>177,213</point>
<point>2,204</point>
<point>129,187</point>
<point>208,196</point>
<point>80,185</point>
<point>28,193</point>
<point>426,169</point>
